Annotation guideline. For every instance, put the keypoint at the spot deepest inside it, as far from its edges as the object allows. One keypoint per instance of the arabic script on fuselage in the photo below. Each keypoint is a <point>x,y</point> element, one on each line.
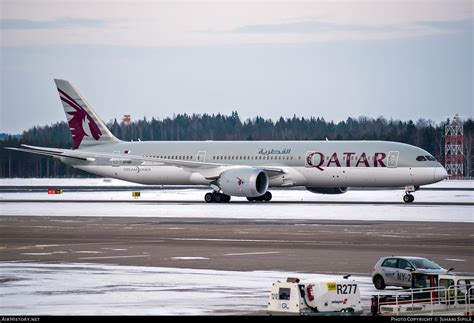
<point>267,152</point>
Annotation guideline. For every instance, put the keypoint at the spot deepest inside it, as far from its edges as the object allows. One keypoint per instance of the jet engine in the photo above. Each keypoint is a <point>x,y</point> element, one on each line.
<point>248,182</point>
<point>327,190</point>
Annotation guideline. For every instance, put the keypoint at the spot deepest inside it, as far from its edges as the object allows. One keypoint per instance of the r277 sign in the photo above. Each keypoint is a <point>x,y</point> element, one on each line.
<point>346,289</point>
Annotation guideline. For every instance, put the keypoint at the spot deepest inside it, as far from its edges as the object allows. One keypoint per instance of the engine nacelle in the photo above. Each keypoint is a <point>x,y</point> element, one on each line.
<point>248,182</point>
<point>327,190</point>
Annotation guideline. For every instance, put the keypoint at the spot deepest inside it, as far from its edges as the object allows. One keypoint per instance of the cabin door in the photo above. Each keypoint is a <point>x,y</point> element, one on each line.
<point>393,159</point>
<point>201,156</point>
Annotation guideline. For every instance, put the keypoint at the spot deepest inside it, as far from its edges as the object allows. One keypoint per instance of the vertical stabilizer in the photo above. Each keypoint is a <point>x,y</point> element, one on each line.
<point>86,127</point>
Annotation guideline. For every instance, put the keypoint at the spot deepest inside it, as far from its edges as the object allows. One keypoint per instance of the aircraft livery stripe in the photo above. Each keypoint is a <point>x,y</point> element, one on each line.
<point>71,99</point>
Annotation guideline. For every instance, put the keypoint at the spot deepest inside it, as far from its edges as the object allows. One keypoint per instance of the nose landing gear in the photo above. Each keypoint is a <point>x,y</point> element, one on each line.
<point>409,198</point>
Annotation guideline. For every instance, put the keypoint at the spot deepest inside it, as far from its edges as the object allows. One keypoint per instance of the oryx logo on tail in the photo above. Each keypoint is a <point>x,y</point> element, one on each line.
<point>87,129</point>
<point>80,122</point>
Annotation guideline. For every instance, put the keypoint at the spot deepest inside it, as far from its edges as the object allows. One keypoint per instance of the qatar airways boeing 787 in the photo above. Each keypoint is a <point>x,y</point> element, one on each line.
<point>239,168</point>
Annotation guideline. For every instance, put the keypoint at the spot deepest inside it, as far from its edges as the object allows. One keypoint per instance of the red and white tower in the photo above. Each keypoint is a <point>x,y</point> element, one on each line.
<point>453,148</point>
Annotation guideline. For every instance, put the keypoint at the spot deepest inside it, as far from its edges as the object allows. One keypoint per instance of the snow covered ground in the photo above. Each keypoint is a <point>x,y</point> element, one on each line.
<point>117,183</point>
<point>91,289</point>
<point>174,203</point>
<point>293,211</point>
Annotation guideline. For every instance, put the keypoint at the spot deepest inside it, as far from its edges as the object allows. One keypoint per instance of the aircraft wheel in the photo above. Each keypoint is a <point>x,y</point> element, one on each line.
<point>209,197</point>
<point>226,198</point>
<point>267,196</point>
<point>408,198</point>
<point>250,199</point>
<point>218,198</point>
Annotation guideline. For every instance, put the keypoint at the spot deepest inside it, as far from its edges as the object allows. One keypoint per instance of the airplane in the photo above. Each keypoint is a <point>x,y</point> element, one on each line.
<point>239,168</point>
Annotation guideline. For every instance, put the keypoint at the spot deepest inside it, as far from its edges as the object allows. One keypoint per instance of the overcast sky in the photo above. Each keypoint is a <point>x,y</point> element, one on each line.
<point>332,59</point>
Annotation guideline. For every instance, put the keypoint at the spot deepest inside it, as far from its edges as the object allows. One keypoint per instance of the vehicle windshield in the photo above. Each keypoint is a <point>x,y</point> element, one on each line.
<point>425,264</point>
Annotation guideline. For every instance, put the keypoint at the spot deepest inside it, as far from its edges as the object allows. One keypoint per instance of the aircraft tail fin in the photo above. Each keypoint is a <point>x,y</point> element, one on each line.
<point>87,129</point>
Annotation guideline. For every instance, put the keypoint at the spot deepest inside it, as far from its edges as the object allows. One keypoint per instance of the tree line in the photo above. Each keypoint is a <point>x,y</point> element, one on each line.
<point>422,133</point>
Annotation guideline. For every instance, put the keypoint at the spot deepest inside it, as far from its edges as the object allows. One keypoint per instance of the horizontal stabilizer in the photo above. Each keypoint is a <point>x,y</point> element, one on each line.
<point>48,153</point>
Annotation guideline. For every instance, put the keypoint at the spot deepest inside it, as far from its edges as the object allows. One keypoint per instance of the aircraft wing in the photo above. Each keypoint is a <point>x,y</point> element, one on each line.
<point>91,156</point>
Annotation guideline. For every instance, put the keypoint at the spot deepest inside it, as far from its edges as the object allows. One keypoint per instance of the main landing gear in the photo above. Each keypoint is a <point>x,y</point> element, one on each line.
<point>265,197</point>
<point>216,197</point>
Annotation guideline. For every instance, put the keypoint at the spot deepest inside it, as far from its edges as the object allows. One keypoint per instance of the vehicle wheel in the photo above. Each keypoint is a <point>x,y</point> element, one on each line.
<point>250,199</point>
<point>209,197</point>
<point>379,282</point>
<point>226,198</point>
<point>412,198</point>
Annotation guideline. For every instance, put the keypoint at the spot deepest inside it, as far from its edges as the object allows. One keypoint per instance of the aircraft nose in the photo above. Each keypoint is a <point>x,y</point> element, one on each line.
<point>440,173</point>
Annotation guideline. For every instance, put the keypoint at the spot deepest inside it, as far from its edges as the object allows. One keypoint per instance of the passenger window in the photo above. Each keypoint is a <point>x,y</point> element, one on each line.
<point>421,281</point>
<point>420,158</point>
<point>447,289</point>
<point>284,294</point>
<point>391,263</point>
<point>462,291</point>
<point>403,264</point>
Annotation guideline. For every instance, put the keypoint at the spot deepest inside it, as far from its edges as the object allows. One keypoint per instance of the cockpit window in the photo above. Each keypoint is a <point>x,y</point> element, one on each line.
<point>421,158</point>
<point>430,158</point>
